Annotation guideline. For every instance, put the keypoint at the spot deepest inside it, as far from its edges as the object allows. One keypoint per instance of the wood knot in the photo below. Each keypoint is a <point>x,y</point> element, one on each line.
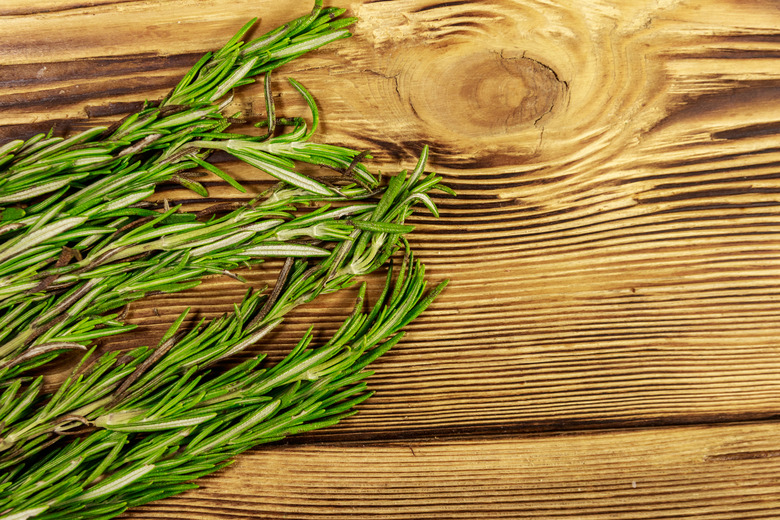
<point>488,93</point>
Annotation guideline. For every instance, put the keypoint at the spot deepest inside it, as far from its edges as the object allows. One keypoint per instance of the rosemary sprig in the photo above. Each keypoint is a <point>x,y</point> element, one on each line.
<point>38,319</point>
<point>85,212</point>
<point>86,185</point>
<point>85,190</point>
<point>163,437</point>
<point>79,245</point>
<point>195,104</point>
<point>373,236</point>
<point>86,221</point>
<point>89,223</point>
<point>275,403</point>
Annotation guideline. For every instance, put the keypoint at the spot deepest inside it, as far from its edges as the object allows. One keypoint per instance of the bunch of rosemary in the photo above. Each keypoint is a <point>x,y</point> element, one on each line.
<point>80,243</point>
<point>152,420</point>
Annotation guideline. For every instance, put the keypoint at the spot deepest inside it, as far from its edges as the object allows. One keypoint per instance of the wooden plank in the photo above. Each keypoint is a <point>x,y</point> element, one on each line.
<point>722,472</point>
<point>468,380</point>
<point>613,249</point>
<point>614,259</point>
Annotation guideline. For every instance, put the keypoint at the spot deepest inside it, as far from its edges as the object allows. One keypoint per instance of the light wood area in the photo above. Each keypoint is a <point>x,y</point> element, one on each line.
<point>723,472</point>
<point>609,344</point>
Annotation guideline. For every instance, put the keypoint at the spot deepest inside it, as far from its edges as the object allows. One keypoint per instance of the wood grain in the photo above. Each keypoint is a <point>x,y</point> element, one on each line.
<point>613,248</point>
<point>726,472</point>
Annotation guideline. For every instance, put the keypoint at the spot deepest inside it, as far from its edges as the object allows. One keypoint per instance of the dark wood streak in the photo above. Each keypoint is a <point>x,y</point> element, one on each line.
<point>113,109</point>
<point>83,92</point>
<point>65,8</point>
<point>696,104</point>
<point>752,37</point>
<point>443,5</point>
<point>711,194</point>
<point>745,132</point>
<point>731,54</point>
<point>744,455</point>
<point>721,180</point>
<point>712,171</point>
<point>34,74</point>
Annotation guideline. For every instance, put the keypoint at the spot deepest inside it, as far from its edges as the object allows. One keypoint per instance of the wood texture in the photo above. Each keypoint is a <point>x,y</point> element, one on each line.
<point>724,472</point>
<point>613,248</point>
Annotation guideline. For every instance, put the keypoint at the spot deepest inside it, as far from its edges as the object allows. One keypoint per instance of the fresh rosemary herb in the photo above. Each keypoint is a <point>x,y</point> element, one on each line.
<point>80,191</point>
<point>177,422</point>
<point>80,243</point>
<point>98,222</point>
<point>363,252</point>
<point>69,311</point>
<point>34,167</point>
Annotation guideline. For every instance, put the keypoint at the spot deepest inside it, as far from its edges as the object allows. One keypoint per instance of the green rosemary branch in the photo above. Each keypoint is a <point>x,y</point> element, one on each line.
<point>195,104</point>
<point>68,311</point>
<point>79,245</point>
<point>169,428</point>
<point>373,236</point>
<point>296,395</point>
<point>73,217</point>
<point>86,186</point>
<point>36,234</point>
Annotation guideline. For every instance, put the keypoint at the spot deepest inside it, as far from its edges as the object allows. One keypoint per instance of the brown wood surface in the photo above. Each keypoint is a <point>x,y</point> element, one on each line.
<point>608,346</point>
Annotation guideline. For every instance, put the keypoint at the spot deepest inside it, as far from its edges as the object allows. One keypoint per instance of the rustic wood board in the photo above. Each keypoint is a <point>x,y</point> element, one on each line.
<point>613,312</point>
<point>725,472</point>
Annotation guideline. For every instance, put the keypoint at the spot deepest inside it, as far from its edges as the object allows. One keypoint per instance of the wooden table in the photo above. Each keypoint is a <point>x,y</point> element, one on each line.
<point>608,346</point>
